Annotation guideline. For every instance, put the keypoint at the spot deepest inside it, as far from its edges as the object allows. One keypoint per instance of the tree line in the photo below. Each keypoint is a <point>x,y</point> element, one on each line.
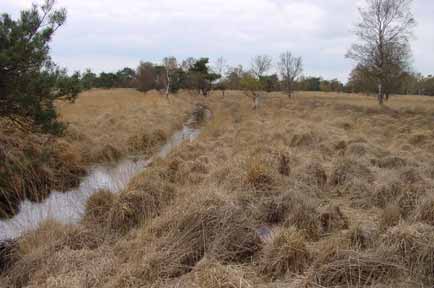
<point>30,82</point>
<point>202,77</point>
<point>407,83</point>
<point>148,76</point>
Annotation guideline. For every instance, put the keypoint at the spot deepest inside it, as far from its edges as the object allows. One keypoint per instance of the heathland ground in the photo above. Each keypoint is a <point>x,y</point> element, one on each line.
<point>322,190</point>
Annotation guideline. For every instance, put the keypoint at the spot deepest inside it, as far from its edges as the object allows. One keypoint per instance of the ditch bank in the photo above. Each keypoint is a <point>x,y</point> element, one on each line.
<point>69,207</point>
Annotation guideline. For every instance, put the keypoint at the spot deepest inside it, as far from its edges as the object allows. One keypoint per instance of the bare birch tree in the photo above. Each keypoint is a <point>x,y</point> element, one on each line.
<point>261,64</point>
<point>383,46</point>
<point>170,65</point>
<point>220,68</point>
<point>290,68</point>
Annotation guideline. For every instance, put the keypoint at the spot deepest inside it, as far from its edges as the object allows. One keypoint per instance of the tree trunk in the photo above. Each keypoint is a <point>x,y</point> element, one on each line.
<point>255,101</point>
<point>387,96</point>
<point>380,94</point>
<point>289,90</point>
<point>168,84</point>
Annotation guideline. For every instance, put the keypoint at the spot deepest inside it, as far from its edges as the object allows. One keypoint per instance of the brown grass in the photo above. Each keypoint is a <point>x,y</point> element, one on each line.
<point>32,165</point>
<point>413,245</point>
<point>108,124</point>
<point>285,253</point>
<point>145,197</point>
<point>324,190</point>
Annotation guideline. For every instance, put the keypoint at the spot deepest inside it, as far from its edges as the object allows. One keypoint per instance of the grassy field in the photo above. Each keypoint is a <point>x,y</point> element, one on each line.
<point>109,124</point>
<point>323,190</point>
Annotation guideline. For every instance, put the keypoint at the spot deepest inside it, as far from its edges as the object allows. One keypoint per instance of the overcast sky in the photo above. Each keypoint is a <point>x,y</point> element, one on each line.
<point>106,35</point>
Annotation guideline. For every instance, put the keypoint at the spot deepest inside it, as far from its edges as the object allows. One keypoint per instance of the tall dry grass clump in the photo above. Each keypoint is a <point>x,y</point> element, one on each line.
<point>346,170</point>
<point>208,225</point>
<point>145,197</point>
<point>259,174</point>
<point>32,166</point>
<point>425,211</point>
<point>147,142</point>
<point>284,253</point>
<point>33,256</point>
<point>98,208</point>
<point>304,215</point>
<point>212,274</point>
<point>413,245</point>
<point>354,269</point>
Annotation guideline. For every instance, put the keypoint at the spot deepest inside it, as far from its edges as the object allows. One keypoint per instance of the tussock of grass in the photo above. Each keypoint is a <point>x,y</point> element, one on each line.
<point>285,253</point>
<point>313,173</point>
<point>147,142</point>
<point>363,236</point>
<point>259,174</point>
<point>41,252</point>
<point>425,211</point>
<point>212,274</point>
<point>413,244</point>
<point>304,216</point>
<point>143,200</point>
<point>332,219</point>
<point>347,170</point>
<point>354,269</point>
<point>98,207</point>
<point>275,208</point>
<point>106,153</point>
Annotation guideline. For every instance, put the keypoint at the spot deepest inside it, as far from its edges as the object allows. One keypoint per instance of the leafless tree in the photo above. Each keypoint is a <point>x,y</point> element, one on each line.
<point>188,63</point>
<point>290,68</point>
<point>383,41</point>
<point>261,64</point>
<point>170,64</point>
<point>220,66</point>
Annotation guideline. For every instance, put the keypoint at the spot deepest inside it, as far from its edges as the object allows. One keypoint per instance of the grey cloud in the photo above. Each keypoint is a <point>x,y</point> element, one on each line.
<point>110,34</point>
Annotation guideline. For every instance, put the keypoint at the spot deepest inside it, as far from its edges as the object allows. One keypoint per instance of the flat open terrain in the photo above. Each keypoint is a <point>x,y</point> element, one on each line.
<point>108,124</point>
<point>323,190</point>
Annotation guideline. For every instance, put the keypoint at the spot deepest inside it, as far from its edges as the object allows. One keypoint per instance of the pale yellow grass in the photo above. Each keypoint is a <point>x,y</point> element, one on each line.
<point>103,122</point>
<point>294,194</point>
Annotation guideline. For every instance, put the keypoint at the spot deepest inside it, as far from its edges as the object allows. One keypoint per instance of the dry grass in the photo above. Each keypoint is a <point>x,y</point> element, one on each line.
<point>108,124</point>
<point>33,165</point>
<point>104,126</point>
<point>324,190</point>
<point>285,253</point>
<point>413,245</point>
<point>144,199</point>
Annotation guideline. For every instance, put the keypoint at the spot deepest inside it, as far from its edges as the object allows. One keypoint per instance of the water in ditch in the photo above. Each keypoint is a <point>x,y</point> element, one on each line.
<point>69,207</point>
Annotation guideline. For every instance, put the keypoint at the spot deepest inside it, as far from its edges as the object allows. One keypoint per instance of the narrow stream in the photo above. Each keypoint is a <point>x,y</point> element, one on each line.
<point>69,207</point>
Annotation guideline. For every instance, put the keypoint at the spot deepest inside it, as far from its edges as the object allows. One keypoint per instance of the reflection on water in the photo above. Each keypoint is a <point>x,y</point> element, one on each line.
<point>69,207</point>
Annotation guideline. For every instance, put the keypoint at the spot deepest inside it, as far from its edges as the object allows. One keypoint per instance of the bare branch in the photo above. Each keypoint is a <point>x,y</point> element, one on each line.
<point>261,64</point>
<point>290,68</point>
